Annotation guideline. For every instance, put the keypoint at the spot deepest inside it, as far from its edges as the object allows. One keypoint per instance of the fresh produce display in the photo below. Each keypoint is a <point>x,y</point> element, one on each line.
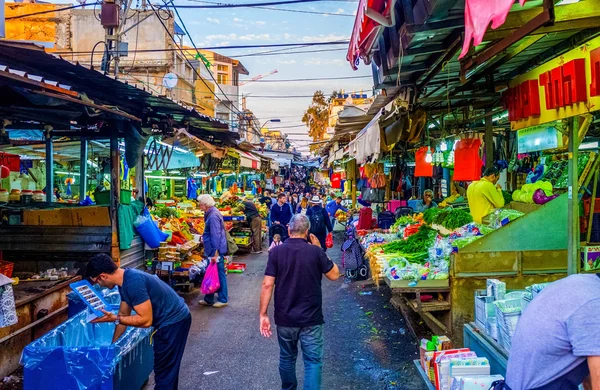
<point>540,197</point>
<point>456,198</point>
<point>464,241</point>
<point>525,194</point>
<point>501,217</point>
<point>401,222</point>
<point>452,219</point>
<point>165,212</point>
<point>430,214</point>
<point>416,243</point>
<point>341,216</point>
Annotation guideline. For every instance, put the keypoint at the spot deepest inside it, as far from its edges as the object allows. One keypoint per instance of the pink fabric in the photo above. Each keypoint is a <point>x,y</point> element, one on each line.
<point>479,14</point>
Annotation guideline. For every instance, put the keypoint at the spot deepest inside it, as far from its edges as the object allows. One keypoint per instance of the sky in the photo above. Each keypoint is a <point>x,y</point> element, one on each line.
<point>249,26</point>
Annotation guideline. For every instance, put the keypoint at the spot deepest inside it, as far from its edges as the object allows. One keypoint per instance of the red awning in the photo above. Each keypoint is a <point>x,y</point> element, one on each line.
<point>372,16</point>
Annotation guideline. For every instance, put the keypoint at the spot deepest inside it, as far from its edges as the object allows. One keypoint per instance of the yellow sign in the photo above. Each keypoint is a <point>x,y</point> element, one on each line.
<point>564,87</point>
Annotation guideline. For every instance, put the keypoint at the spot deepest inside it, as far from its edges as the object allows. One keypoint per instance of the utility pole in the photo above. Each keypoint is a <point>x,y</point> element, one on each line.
<point>113,20</point>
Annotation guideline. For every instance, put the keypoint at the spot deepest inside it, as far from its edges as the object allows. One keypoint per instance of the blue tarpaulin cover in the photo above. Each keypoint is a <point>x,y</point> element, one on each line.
<point>80,355</point>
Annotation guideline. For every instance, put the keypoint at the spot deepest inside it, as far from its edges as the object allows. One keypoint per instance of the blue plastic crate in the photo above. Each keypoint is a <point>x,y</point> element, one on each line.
<point>78,355</point>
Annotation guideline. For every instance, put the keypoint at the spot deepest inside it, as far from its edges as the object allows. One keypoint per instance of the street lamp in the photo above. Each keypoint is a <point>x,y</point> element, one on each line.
<point>274,120</point>
<point>271,120</point>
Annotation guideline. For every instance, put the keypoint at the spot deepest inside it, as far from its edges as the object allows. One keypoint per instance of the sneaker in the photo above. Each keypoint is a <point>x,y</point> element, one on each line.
<point>256,252</point>
<point>219,304</point>
<point>204,303</point>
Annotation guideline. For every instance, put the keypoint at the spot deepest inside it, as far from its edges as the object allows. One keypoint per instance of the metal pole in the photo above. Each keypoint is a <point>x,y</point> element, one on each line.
<point>573,194</point>
<point>49,165</point>
<point>83,169</point>
<point>115,191</point>
<point>489,140</point>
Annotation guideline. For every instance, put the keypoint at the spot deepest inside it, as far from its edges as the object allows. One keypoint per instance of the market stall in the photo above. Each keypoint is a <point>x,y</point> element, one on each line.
<point>73,158</point>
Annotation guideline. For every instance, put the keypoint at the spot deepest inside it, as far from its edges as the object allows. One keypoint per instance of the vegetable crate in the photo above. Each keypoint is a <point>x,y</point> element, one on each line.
<point>242,240</point>
<point>6,268</point>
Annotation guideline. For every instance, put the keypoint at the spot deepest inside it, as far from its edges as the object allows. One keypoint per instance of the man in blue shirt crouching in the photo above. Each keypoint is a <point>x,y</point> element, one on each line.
<point>155,304</point>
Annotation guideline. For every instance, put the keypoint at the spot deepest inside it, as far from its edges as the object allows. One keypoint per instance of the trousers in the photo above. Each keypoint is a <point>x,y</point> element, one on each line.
<point>256,228</point>
<point>169,344</point>
<point>311,341</point>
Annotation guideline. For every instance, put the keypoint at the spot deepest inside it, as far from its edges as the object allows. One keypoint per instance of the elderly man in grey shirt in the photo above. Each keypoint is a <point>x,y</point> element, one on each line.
<point>556,344</point>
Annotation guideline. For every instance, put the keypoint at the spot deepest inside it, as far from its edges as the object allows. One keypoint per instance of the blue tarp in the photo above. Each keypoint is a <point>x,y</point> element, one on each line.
<point>80,355</point>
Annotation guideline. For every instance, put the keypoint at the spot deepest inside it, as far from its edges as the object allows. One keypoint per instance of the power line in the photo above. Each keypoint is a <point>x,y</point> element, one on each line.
<point>288,80</point>
<point>309,79</point>
<point>230,108</point>
<point>328,43</point>
<point>249,5</point>
<point>287,9</point>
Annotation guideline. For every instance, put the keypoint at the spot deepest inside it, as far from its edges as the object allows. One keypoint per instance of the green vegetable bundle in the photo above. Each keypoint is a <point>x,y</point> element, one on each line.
<point>415,244</point>
<point>457,218</point>
<point>430,214</point>
<point>165,212</point>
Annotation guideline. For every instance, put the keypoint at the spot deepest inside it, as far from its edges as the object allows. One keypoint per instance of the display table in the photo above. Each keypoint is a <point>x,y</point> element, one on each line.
<point>479,342</point>
<point>435,313</point>
<point>423,375</point>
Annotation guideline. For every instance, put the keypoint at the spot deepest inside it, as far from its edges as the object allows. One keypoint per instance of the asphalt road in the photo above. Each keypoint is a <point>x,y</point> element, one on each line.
<point>367,344</point>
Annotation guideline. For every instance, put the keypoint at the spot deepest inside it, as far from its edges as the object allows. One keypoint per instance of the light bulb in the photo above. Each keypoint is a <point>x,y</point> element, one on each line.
<point>443,147</point>
<point>428,157</point>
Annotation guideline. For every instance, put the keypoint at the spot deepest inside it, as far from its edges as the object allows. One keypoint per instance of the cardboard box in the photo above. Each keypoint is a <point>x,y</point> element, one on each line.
<point>91,216</point>
<point>55,217</point>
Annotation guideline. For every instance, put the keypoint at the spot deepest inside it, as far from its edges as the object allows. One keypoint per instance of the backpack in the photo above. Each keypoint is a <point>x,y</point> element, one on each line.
<point>317,222</point>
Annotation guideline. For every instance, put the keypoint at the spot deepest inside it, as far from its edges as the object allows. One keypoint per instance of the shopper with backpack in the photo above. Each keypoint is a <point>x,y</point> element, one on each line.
<point>320,224</point>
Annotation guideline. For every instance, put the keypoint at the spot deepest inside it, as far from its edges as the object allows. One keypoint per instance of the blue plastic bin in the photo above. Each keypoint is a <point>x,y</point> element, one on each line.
<point>78,355</point>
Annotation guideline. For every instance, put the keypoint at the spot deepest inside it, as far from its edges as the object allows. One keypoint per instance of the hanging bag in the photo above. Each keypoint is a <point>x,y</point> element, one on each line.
<point>329,240</point>
<point>211,283</point>
<point>422,167</point>
<point>467,163</point>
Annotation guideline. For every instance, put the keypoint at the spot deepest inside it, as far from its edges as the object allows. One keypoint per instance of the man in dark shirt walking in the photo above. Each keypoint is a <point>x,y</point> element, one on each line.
<point>156,304</point>
<point>295,269</point>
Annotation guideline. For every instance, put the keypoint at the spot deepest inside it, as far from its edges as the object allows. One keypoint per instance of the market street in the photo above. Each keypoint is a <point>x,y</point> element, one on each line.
<point>367,345</point>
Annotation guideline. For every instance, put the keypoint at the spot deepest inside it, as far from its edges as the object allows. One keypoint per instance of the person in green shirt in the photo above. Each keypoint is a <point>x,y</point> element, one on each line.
<point>485,195</point>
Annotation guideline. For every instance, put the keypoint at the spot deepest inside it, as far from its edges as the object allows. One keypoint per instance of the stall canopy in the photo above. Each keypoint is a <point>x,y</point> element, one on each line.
<point>371,18</point>
<point>248,160</point>
<point>37,89</point>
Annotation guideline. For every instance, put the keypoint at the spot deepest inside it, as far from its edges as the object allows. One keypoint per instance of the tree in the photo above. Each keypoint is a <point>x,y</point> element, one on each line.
<point>316,117</point>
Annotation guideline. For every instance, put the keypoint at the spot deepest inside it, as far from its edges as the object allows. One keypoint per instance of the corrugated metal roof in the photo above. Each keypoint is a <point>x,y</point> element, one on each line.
<point>36,64</point>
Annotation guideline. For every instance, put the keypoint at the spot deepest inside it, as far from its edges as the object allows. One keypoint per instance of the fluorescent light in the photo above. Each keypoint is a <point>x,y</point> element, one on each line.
<point>92,163</point>
<point>66,173</point>
<point>564,2</point>
<point>589,145</point>
<point>166,177</point>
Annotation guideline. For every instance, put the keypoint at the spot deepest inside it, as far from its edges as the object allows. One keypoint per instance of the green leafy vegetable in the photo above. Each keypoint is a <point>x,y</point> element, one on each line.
<point>418,243</point>
<point>457,218</point>
<point>430,214</point>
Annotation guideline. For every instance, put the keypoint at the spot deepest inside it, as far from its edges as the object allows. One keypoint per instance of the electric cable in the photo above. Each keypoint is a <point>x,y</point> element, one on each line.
<point>329,43</point>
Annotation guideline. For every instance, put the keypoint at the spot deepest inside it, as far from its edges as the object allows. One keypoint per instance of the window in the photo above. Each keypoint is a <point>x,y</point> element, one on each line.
<point>222,78</point>
<point>222,68</point>
<point>224,116</point>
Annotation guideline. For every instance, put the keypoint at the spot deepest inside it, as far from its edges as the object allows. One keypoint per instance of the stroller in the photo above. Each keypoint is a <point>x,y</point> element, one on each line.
<point>278,229</point>
<point>353,259</point>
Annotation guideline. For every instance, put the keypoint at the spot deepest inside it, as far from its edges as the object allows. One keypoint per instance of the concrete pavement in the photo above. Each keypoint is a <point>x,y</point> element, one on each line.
<point>367,345</point>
